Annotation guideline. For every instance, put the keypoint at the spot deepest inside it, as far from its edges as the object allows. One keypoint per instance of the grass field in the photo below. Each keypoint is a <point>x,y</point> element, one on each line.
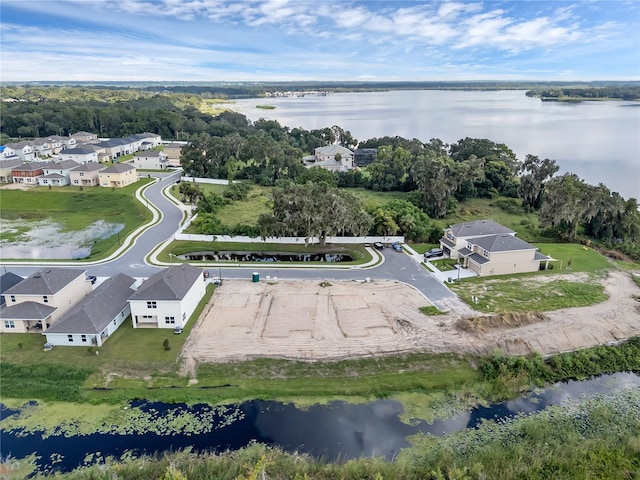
<point>74,210</point>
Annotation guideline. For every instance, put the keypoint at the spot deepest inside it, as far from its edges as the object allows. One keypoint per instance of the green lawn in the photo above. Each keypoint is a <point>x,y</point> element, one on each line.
<point>574,258</point>
<point>372,198</point>
<point>74,210</point>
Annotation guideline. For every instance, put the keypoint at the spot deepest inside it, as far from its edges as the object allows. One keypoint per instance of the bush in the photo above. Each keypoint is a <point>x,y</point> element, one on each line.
<point>166,345</point>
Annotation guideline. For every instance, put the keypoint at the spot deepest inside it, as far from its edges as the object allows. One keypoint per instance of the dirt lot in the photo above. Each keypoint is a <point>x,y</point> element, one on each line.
<point>303,320</point>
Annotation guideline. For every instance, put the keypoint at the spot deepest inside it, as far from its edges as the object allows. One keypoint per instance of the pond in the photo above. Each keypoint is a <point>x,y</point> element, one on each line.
<point>47,240</point>
<point>268,257</point>
<point>337,431</point>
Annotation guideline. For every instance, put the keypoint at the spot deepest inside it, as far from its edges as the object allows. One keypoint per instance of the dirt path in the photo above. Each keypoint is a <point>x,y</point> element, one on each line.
<point>302,320</point>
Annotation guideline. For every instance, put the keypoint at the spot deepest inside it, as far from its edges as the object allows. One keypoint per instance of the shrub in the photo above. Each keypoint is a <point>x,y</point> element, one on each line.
<point>166,345</point>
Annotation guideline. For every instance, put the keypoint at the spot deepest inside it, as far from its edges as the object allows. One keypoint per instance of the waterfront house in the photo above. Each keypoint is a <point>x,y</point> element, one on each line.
<point>167,299</point>
<point>6,166</point>
<point>488,248</point>
<point>332,157</point>
<point>96,317</point>
<point>28,173</point>
<point>38,301</point>
<point>8,280</point>
<point>57,173</point>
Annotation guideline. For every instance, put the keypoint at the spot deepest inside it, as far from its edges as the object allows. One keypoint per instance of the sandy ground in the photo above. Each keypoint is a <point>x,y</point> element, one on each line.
<point>303,320</point>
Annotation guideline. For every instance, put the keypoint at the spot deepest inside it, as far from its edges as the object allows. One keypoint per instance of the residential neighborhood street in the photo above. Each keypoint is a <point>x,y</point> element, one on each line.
<point>133,261</point>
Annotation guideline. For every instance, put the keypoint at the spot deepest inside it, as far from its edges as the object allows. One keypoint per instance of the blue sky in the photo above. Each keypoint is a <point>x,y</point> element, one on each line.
<point>280,40</point>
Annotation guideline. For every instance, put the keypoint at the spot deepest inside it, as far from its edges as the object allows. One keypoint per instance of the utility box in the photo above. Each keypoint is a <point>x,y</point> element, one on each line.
<point>255,277</point>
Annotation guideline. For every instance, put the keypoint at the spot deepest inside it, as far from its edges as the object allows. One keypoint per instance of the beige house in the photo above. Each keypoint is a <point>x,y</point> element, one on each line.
<point>86,175</point>
<point>39,300</point>
<point>85,137</point>
<point>488,248</point>
<point>5,169</point>
<point>118,175</point>
<point>332,157</point>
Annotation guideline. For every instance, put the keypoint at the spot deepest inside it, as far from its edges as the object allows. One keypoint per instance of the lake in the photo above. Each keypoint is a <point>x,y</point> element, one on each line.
<point>337,431</point>
<point>599,141</point>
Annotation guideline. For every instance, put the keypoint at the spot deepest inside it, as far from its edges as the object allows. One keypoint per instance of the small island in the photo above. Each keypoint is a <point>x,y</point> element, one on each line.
<point>266,107</point>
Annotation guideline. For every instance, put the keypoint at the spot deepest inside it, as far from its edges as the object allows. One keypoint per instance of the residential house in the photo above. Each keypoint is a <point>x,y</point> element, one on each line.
<point>6,166</point>
<point>58,143</point>
<point>39,300</point>
<point>167,299</point>
<point>96,317</point>
<point>148,140</point>
<point>151,159</point>
<point>173,151</point>
<point>86,175</point>
<point>57,173</point>
<point>488,248</point>
<point>82,154</point>
<point>118,175</point>
<point>85,137</point>
<point>8,153</point>
<point>28,173</point>
<point>24,150</point>
<point>7,281</point>
<point>332,157</point>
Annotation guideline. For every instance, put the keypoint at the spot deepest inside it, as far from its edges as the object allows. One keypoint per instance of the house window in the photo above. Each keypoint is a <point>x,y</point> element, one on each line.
<point>152,305</point>
<point>84,338</point>
<point>170,320</point>
<point>184,316</point>
<point>45,299</point>
<point>469,246</point>
<point>9,324</point>
<point>485,254</point>
<point>13,298</point>
<point>82,174</point>
<point>147,317</point>
<point>70,338</point>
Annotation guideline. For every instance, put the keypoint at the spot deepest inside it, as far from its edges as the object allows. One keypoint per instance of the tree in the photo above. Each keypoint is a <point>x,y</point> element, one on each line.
<point>435,175</point>
<point>568,201</point>
<point>535,173</point>
<point>317,175</point>
<point>314,210</point>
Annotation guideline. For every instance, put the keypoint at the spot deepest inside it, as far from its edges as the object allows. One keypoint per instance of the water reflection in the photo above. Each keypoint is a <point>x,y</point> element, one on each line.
<point>337,431</point>
<point>46,240</point>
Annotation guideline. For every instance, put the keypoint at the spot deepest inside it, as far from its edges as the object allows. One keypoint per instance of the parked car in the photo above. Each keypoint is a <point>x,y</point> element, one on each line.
<point>378,245</point>
<point>434,252</point>
<point>396,246</point>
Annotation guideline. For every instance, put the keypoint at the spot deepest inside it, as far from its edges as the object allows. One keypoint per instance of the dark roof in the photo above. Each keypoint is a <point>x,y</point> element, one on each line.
<point>540,256</point>
<point>465,251</point>
<point>148,153</point>
<point>53,175</point>
<point>97,309</point>
<point>10,163</point>
<point>479,259</point>
<point>447,242</point>
<point>78,151</point>
<point>88,167</point>
<point>26,311</point>
<point>478,228</point>
<point>501,243</point>
<point>170,284</point>
<point>64,164</point>
<point>46,281</point>
<point>118,168</point>
<point>82,133</point>
<point>7,281</point>
<point>31,166</point>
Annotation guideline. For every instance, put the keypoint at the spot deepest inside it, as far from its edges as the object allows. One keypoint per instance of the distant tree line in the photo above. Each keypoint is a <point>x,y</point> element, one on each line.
<point>620,92</point>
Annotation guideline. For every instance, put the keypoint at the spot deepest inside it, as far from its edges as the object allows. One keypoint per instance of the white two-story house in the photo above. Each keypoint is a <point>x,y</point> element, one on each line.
<point>167,299</point>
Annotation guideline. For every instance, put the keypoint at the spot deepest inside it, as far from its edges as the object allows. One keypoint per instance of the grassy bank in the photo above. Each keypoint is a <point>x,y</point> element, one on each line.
<point>569,442</point>
<point>74,210</point>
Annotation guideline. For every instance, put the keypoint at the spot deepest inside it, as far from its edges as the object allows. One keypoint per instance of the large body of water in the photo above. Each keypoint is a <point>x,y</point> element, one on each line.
<point>599,141</point>
<point>336,432</point>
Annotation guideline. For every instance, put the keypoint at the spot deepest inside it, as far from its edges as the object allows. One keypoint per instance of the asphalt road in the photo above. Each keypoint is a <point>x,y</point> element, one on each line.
<point>396,266</point>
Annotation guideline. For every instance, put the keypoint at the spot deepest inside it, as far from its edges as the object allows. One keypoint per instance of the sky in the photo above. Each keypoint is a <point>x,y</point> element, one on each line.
<point>306,40</point>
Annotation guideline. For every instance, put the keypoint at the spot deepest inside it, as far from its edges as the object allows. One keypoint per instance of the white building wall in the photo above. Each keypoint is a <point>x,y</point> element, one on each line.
<point>62,339</point>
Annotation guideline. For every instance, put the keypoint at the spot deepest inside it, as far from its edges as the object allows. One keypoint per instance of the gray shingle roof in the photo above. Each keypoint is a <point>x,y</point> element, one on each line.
<point>65,164</point>
<point>94,313</point>
<point>540,256</point>
<point>88,167</point>
<point>118,168</point>
<point>10,163</point>
<point>54,176</point>
<point>464,252</point>
<point>77,151</point>
<point>479,259</point>
<point>170,284</point>
<point>149,153</point>
<point>7,281</point>
<point>31,166</point>
<point>26,311</point>
<point>501,243</point>
<point>46,281</point>
<point>478,228</point>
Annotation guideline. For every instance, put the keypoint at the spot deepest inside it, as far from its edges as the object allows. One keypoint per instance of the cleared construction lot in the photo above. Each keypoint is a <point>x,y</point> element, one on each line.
<point>302,319</point>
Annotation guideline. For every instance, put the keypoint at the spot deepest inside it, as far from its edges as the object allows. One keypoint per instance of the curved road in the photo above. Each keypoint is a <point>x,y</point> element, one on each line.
<point>396,266</point>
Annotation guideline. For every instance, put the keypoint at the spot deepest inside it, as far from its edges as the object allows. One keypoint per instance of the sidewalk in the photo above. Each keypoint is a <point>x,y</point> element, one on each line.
<point>442,276</point>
